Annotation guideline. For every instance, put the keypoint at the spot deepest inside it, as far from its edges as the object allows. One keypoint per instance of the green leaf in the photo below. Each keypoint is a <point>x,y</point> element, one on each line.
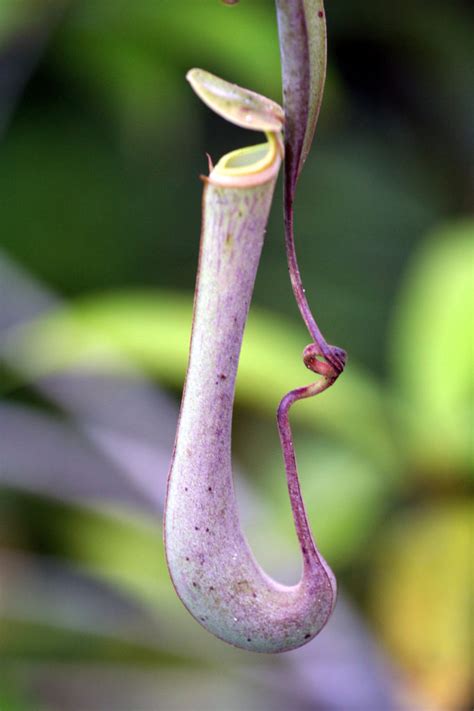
<point>151,331</point>
<point>432,349</point>
<point>302,31</point>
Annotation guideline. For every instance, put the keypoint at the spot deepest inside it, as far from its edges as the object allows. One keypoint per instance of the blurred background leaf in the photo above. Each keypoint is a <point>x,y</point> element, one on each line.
<point>422,595</point>
<point>434,326</point>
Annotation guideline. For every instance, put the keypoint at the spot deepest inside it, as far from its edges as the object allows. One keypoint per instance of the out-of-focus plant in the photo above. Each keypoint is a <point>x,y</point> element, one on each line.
<point>434,311</point>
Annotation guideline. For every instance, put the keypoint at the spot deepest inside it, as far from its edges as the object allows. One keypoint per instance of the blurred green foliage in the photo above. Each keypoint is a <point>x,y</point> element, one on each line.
<point>102,146</point>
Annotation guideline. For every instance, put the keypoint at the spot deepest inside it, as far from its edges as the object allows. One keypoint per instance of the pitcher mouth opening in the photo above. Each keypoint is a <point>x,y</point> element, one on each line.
<point>253,165</point>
